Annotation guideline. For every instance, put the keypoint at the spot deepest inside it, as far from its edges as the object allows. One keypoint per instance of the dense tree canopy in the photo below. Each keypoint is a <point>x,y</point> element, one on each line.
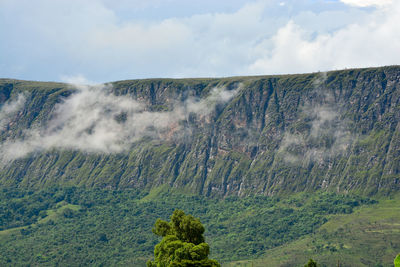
<point>42,225</point>
<point>311,263</point>
<point>397,261</point>
<point>182,243</point>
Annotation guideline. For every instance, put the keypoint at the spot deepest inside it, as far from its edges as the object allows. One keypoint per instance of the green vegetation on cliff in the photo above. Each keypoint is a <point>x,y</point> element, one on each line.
<point>335,131</point>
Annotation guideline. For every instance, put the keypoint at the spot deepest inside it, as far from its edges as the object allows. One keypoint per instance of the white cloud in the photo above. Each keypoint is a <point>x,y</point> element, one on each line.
<point>9,109</point>
<point>366,3</point>
<point>78,80</point>
<point>96,121</point>
<point>327,134</point>
<point>371,42</point>
<point>52,39</point>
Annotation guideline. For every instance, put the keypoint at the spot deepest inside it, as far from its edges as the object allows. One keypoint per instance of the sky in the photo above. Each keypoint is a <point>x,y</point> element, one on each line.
<point>96,41</point>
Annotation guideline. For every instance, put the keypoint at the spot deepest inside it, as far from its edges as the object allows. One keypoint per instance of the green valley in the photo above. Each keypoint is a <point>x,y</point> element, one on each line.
<point>63,226</point>
<point>279,169</point>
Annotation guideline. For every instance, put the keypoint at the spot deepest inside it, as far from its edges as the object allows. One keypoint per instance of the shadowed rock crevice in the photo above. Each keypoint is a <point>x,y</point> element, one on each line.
<point>336,131</point>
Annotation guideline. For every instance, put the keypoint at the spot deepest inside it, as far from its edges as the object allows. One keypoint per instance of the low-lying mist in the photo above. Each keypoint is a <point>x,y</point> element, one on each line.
<point>324,133</point>
<point>93,119</point>
<point>9,109</point>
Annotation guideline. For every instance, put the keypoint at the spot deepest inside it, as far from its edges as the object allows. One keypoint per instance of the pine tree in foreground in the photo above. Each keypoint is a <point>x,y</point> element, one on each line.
<point>182,243</point>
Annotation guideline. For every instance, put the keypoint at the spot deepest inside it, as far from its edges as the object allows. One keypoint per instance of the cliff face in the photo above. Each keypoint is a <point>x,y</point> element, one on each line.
<point>336,131</point>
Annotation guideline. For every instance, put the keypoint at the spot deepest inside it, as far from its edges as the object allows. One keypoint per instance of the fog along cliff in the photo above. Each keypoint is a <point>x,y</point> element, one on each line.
<point>336,131</point>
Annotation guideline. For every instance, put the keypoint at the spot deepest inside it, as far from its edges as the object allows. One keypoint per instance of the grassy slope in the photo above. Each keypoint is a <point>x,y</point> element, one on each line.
<point>368,237</point>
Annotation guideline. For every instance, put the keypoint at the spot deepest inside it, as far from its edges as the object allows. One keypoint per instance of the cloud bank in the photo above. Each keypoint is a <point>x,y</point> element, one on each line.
<point>95,120</point>
<point>109,40</point>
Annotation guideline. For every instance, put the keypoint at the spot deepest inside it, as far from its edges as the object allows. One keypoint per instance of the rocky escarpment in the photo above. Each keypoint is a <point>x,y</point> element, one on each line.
<point>336,131</point>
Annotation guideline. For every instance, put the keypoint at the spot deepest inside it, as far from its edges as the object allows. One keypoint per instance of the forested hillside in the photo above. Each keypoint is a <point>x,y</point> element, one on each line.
<point>279,169</point>
<point>76,226</point>
<point>271,135</point>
